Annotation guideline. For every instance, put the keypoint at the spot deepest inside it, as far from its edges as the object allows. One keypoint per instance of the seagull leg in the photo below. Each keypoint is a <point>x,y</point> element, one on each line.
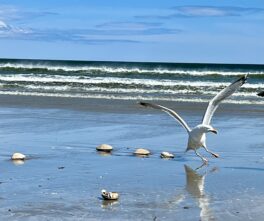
<point>202,165</point>
<point>199,155</point>
<point>214,154</point>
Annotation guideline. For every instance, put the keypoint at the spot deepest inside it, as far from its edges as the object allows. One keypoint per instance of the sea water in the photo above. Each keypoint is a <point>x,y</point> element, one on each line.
<point>129,80</point>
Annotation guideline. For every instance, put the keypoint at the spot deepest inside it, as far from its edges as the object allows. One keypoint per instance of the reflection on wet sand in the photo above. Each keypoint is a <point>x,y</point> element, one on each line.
<point>195,187</point>
<point>18,162</point>
<point>104,154</point>
<point>108,203</point>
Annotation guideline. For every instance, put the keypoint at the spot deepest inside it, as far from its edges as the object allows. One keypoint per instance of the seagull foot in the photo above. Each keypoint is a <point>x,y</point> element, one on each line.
<point>215,155</point>
<point>205,161</point>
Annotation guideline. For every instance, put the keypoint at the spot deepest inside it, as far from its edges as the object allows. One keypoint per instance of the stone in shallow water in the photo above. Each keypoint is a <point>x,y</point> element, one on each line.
<point>141,151</point>
<point>166,155</point>
<point>109,195</point>
<point>18,156</point>
<point>104,147</point>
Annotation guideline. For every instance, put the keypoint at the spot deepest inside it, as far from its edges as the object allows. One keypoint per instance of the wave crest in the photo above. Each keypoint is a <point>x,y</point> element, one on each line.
<point>127,70</point>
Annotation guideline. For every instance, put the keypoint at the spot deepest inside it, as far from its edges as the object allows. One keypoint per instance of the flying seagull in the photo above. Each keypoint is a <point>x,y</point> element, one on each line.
<point>197,136</point>
<point>261,94</point>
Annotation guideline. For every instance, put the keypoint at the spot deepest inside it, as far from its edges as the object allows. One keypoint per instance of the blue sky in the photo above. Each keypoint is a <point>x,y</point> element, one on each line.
<point>220,31</point>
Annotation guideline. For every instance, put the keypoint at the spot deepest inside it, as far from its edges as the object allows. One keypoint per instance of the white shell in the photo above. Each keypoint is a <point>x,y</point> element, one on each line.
<point>166,155</point>
<point>104,147</point>
<point>18,156</point>
<point>109,195</point>
<point>141,151</point>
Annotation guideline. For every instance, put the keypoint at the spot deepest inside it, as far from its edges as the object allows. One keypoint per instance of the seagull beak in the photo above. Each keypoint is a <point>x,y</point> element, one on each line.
<point>213,131</point>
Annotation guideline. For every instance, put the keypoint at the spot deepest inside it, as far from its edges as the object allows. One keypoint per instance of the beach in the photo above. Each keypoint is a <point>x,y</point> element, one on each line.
<point>131,110</point>
<point>64,174</point>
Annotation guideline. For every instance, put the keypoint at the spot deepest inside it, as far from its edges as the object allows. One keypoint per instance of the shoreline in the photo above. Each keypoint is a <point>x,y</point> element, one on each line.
<point>118,105</point>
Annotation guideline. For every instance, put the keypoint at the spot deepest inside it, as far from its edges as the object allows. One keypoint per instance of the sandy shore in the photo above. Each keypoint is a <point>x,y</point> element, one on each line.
<point>64,176</point>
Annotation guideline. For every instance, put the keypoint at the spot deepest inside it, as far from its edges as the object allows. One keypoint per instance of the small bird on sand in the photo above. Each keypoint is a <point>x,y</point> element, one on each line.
<point>197,136</point>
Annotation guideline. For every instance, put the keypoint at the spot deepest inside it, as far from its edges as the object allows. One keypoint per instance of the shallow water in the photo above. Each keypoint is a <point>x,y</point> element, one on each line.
<point>64,176</point>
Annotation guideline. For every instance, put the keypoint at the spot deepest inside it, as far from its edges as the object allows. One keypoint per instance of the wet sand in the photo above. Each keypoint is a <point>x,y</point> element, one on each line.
<point>63,178</point>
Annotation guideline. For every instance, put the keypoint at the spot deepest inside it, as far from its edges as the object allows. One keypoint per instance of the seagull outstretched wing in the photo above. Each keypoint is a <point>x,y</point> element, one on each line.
<point>168,111</point>
<point>223,94</point>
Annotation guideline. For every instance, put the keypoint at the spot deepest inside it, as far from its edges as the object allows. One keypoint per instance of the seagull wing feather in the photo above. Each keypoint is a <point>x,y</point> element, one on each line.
<point>168,111</point>
<point>223,94</point>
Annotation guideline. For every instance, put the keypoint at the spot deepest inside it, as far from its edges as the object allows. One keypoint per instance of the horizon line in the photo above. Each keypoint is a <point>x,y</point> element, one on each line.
<point>149,62</point>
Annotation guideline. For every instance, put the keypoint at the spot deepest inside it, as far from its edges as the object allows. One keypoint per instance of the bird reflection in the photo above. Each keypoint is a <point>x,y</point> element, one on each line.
<point>195,187</point>
<point>194,182</point>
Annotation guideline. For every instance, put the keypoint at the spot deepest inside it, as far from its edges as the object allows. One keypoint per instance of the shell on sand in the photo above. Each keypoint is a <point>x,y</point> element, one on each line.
<point>109,195</point>
<point>104,147</point>
<point>166,155</point>
<point>141,151</point>
<point>18,156</point>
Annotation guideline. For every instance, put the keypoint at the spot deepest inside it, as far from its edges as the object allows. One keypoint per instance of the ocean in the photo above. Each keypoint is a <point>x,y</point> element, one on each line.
<point>128,80</point>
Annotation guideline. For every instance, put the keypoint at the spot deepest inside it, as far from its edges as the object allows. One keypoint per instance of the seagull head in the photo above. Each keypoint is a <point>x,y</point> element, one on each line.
<point>208,128</point>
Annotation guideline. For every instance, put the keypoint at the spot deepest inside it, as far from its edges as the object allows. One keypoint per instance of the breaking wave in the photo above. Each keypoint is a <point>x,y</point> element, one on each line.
<point>117,80</point>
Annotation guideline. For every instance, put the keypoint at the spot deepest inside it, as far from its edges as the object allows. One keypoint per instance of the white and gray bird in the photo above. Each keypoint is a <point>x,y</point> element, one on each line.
<point>197,136</point>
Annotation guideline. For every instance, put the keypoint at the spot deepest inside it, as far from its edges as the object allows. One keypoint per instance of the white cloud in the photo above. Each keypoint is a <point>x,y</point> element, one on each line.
<point>11,31</point>
<point>129,25</point>
<point>202,11</point>
<point>214,11</point>
<point>3,25</point>
<point>8,12</point>
<point>12,13</point>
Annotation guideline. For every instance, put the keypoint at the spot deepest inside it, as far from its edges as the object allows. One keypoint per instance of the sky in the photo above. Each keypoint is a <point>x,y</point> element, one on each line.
<point>204,31</point>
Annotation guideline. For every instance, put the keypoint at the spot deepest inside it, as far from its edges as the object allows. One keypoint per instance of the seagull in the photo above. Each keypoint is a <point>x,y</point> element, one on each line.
<point>197,136</point>
<point>261,94</point>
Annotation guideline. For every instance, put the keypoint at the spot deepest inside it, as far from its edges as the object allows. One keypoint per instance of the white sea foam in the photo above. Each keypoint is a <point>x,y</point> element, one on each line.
<point>118,87</point>
<point>115,80</point>
<point>72,89</point>
<point>118,97</point>
<point>47,88</point>
<point>109,69</point>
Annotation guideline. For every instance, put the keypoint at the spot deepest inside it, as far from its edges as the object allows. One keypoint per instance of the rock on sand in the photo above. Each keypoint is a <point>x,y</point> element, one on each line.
<point>18,156</point>
<point>141,151</point>
<point>104,147</point>
<point>166,155</point>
